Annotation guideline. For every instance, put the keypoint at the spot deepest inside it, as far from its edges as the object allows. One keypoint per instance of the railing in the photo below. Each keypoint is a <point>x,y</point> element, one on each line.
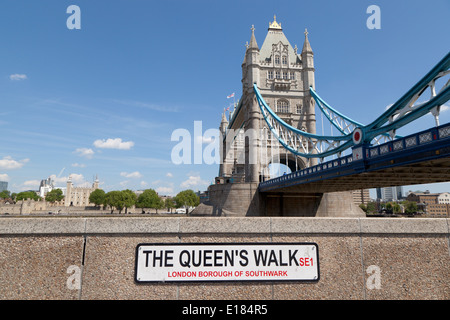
<point>392,148</point>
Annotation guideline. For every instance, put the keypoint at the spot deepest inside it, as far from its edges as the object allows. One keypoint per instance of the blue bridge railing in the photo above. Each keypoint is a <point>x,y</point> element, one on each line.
<point>420,141</point>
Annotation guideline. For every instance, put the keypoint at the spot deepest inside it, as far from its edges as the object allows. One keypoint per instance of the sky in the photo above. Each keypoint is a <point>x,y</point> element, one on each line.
<point>105,99</point>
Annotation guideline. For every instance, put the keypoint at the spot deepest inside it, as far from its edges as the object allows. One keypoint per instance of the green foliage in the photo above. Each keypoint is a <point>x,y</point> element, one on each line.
<point>410,207</point>
<point>149,199</point>
<point>54,195</point>
<point>169,203</point>
<point>5,194</point>
<point>97,197</point>
<point>371,207</point>
<point>114,199</point>
<point>388,207</point>
<point>128,198</point>
<point>396,208</point>
<point>24,195</point>
<point>187,198</point>
<point>363,207</point>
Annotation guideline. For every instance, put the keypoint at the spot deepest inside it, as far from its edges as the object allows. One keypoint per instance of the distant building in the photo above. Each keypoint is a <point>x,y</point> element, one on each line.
<point>390,193</point>
<point>3,186</point>
<point>204,196</point>
<point>45,187</point>
<point>438,210</point>
<point>444,198</point>
<point>361,196</point>
<point>423,197</point>
<point>79,196</point>
<point>433,204</point>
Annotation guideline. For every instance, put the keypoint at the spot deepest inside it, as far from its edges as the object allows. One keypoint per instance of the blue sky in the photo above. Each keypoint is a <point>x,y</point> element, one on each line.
<point>105,99</point>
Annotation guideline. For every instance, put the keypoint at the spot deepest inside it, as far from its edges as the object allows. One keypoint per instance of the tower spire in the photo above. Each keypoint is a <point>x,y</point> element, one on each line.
<point>306,45</point>
<point>253,44</point>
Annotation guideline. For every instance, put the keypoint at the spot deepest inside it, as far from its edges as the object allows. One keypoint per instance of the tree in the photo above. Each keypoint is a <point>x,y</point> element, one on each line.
<point>149,199</point>
<point>54,195</point>
<point>97,197</point>
<point>371,207</point>
<point>169,203</point>
<point>410,207</point>
<point>5,194</point>
<point>187,198</point>
<point>388,207</point>
<point>363,207</point>
<point>24,195</point>
<point>114,199</point>
<point>396,208</point>
<point>129,199</point>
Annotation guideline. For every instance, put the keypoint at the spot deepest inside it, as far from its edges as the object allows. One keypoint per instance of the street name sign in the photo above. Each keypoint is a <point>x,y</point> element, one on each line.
<point>169,262</point>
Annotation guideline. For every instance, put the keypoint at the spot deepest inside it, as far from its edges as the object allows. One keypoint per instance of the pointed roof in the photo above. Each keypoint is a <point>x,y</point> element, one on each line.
<point>224,117</point>
<point>253,44</point>
<point>274,36</point>
<point>306,45</point>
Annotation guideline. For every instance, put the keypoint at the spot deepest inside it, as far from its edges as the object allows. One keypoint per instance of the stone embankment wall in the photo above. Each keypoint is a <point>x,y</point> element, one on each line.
<point>94,257</point>
<point>32,207</point>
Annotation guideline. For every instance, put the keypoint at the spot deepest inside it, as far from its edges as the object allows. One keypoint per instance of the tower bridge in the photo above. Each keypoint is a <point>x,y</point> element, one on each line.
<point>275,123</point>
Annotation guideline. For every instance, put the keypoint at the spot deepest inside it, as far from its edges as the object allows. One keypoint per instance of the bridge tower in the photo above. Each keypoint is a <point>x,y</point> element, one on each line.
<point>283,76</point>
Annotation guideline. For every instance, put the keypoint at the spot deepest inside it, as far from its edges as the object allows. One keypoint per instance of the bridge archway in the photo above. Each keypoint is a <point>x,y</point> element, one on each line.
<point>282,163</point>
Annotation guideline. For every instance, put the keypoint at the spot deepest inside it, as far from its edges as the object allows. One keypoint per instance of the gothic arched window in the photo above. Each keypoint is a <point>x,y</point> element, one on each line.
<point>282,106</point>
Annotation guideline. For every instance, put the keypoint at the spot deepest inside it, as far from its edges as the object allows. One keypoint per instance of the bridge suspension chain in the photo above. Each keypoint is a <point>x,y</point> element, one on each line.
<point>404,111</point>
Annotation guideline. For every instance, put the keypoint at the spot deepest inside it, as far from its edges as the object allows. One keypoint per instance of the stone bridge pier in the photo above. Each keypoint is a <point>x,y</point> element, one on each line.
<point>244,199</point>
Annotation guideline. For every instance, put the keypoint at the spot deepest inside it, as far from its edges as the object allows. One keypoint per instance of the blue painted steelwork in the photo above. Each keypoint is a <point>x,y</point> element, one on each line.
<point>401,113</point>
<point>333,143</point>
<point>345,122</point>
<point>442,67</point>
<point>374,158</point>
<point>327,110</point>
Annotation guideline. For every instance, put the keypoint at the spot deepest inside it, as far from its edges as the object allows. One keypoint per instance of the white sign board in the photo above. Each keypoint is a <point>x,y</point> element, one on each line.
<point>227,262</point>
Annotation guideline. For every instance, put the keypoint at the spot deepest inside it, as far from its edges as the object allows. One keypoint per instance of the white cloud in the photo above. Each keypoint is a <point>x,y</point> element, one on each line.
<point>85,152</point>
<point>169,175</point>
<point>9,163</point>
<point>4,177</point>
<point>18,77</point>
<point>78,180</point>
<point>116,143</point>
<point>135,175</point>
<point>31,183</point>
<point>144,184</point>
<point>444,108</point>
<point>84,185</point>
<point>78,165</point>
<point>193,181</point>
<point>165,191</point>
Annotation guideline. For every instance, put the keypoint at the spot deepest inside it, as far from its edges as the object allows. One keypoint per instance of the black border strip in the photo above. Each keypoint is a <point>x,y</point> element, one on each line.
<point>226,244</point>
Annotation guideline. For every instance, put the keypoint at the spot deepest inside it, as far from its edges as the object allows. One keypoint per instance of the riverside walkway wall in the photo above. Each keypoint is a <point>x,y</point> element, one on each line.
<point>94,257</point>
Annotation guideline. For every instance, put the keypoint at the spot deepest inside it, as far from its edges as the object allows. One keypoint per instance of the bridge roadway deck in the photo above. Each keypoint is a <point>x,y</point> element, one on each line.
<point>407,161</point>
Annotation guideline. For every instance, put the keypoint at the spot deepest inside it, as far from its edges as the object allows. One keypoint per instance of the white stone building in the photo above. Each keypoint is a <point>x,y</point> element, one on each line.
<point>79,196</point>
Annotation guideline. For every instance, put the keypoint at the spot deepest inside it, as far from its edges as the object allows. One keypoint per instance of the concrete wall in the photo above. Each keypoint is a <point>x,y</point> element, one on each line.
<point>232,199</point>
<point>41,257</point>
<point>31,207</point>
<point>243,199</point>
